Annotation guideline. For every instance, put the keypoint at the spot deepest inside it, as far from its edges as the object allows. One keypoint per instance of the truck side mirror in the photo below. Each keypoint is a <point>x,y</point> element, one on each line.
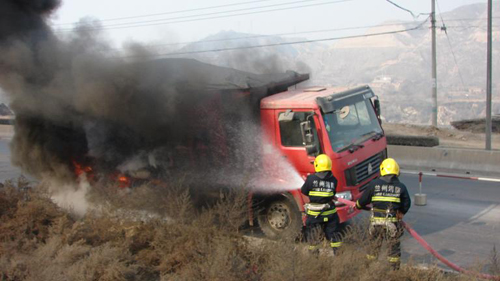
<point>378,111</point>
<point>306,130</point>
<point>376,103</point>
<point>308,138</point>
<point>312,149</point>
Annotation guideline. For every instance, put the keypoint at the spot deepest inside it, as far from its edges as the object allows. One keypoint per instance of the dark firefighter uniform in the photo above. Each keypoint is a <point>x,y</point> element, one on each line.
<point>321,212</point>
<point>390,201</point>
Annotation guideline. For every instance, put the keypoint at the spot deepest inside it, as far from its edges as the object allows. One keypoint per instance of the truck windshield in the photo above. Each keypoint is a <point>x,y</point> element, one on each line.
<point>351,125</point>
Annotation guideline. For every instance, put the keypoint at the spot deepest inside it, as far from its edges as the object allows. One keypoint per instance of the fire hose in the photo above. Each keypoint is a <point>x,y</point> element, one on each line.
<point>426,245</point>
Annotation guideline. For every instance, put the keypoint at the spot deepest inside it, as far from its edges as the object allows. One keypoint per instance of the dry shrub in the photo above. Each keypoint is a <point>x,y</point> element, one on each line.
<point>106,262</point>
<point>28,217</point>
<point>161,199</point>
<point>494,267</point>
<point>41,242</point>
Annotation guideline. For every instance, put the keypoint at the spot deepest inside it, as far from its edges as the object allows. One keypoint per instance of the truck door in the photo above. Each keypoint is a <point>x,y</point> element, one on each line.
<point>290,140</point>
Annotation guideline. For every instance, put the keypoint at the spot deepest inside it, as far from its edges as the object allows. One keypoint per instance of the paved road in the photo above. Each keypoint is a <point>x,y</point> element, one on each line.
<point>461,219</point>
<point>7,171</point>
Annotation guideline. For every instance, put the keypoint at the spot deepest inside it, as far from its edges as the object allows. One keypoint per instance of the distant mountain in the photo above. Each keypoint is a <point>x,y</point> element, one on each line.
<point>397,66</point>
<point>258,60</point>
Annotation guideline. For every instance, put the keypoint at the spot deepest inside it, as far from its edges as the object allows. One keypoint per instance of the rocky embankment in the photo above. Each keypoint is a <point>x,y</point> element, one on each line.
<point>478,125</point>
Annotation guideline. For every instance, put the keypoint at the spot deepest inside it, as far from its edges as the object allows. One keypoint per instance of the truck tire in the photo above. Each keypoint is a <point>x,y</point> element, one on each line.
<point>280,218</point>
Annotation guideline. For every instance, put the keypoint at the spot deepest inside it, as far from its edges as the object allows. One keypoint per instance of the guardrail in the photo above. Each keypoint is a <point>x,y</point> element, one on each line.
<point>6,120</point>
<point>447,160</point>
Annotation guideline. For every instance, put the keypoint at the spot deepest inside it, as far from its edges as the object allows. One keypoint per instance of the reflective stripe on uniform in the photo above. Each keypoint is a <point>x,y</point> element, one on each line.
<point>335,244</point>
<point>386,199</point>
<point>393,259</point>
<point>380,210</point>
<point>311,247</point>
<point>389,219</point>
<point>321,193</point>
<point>324,213</point>
<point>370,257</point>
<point>357,204</point>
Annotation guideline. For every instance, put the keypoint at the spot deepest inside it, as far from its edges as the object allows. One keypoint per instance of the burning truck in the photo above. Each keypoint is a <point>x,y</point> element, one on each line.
<point>231,127</point>
<point>80,109</point>
<point>237,125</point>
<point>225,127</point>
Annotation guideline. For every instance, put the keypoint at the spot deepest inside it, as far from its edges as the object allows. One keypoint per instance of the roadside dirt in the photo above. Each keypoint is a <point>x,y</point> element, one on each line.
<point>448,137</point>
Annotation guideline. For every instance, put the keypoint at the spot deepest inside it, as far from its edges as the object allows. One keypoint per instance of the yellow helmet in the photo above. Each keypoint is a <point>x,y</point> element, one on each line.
<point>389,167</point>
<point>322,163</point>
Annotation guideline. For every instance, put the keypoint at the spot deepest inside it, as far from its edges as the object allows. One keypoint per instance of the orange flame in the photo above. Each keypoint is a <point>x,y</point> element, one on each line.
<point>123,181</point>
<point>82,170</point>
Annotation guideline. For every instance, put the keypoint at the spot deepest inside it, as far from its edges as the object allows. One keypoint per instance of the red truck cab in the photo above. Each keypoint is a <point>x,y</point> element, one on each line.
<point>301,124</point>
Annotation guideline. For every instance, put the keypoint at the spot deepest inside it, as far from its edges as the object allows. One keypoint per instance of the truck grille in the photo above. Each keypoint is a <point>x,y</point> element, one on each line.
<point>364,170</point>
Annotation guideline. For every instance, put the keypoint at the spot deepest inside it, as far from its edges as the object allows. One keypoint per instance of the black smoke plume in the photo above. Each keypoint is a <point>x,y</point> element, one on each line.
<point>78,101</point>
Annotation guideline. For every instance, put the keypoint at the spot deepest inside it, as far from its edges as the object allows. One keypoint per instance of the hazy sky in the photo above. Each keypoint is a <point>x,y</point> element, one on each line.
<point>327,14</point>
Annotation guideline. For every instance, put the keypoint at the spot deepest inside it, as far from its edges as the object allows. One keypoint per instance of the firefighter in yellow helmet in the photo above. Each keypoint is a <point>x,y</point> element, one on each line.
<point>390,201</point>
<point>322,215</point>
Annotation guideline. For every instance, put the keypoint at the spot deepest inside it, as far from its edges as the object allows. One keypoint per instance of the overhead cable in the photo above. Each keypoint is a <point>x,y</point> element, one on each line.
<point>203,16</point>
<point>415,16</point>
<point>173,12</point>
<point>470,19</point>
<point>278,34</point>
<point>289,43</point>
<point>451,47</point>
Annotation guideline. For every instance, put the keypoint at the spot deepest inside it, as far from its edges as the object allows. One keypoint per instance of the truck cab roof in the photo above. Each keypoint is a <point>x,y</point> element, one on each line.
<point>299,98</point>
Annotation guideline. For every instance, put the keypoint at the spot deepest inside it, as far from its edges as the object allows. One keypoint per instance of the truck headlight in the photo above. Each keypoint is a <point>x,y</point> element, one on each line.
<point>347,195</point>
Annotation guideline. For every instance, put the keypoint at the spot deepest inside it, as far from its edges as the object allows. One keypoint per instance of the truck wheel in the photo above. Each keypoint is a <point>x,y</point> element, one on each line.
<point>280,218</point>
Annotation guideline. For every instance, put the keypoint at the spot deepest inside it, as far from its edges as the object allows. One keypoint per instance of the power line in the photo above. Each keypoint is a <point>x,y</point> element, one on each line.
<point>470,19</point>
<point>215,13</point>
<point>298,33</point>
<point>451,47</point>
<point>169,20</point>
<point>409,11</point>
<point>173,12</point>
<point>277,34</point>
<point>470,26</point>
<point>288,43</point>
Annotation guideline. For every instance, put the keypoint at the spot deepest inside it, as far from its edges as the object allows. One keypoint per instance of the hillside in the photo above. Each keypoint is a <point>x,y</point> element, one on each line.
<point>397,66</point>
<point>448,137</point>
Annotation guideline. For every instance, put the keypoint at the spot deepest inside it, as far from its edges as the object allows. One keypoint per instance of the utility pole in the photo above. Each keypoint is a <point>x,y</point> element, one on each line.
<point>488,82</point>
<point>434,67</point>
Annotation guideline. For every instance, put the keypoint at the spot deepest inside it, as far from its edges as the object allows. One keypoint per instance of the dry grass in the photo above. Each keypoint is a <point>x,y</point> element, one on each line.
<point>38,241</point>
<point>494,262</point>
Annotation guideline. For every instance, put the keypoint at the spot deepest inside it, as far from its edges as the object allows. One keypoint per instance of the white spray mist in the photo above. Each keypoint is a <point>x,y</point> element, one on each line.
<point>70,197</point>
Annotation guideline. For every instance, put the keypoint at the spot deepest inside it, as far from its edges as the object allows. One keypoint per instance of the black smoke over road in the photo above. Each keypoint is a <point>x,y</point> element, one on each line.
<point>77,100</point>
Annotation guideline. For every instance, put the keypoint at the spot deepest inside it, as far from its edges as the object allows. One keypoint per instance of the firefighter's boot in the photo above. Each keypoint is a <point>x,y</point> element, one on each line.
<point>314,250</point>
<point>394,262</point>
<point>335,247</point>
